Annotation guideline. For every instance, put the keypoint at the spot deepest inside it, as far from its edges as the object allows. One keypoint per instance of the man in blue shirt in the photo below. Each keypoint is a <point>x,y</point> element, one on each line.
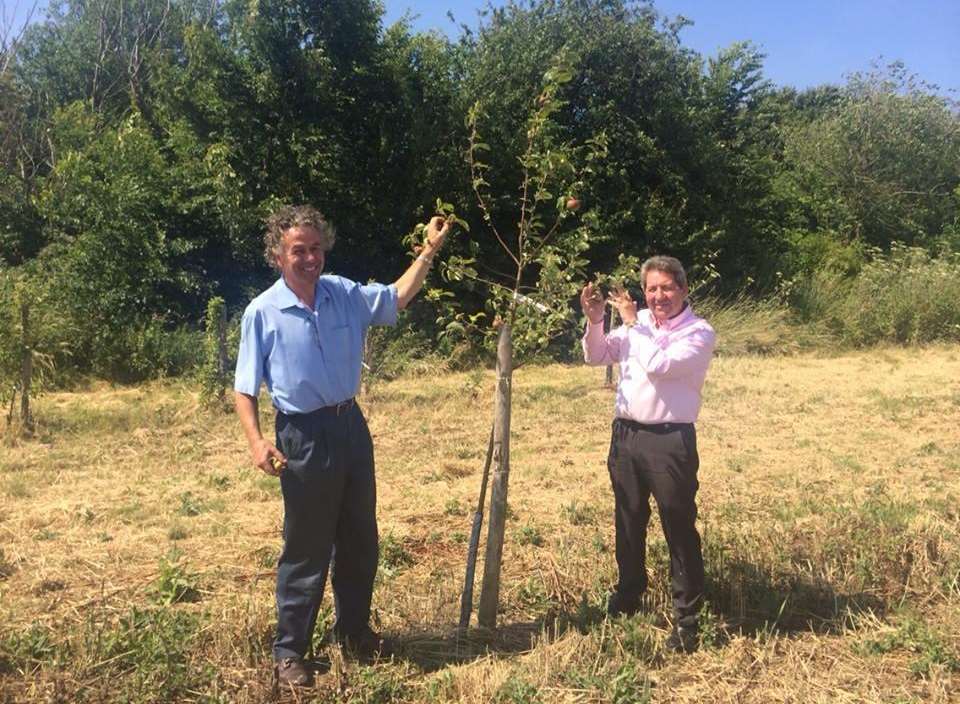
<point>304,337</point>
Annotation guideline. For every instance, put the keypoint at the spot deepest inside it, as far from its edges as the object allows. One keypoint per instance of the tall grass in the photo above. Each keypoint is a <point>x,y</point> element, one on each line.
<point>747,325</point>
<point>906,296</point>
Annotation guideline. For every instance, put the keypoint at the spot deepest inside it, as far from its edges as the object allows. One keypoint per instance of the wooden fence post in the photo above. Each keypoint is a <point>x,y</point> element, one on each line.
<point>222,358</point>
<point>611,321</point>
<point>26,367</point>
<point>215,370</point>
<point>490,594</point>
<point>365,366</point>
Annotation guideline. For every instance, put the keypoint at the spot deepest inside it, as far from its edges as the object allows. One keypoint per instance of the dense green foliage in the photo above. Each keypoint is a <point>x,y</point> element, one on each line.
<point>904,296</point>
<point>142,143</point>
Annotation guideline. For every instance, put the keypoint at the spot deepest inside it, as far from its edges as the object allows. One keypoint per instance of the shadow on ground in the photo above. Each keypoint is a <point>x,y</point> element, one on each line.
<point>749,600</point>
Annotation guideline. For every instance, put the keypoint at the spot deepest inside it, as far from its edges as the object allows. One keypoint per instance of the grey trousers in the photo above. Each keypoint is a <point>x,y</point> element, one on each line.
<point>329,502</point>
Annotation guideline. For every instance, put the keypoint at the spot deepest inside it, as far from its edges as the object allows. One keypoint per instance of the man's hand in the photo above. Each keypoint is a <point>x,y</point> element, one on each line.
<point>591,301</point>
<point>265,456</point>
<point>626,306</point>
<point>437,230</point>
<point>412,279</point>
<point>268,458</point>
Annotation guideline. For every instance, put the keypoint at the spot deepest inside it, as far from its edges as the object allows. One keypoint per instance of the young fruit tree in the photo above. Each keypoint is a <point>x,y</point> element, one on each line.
<point>214,372</point>
<point>530,301</point>
<point>26,333</point>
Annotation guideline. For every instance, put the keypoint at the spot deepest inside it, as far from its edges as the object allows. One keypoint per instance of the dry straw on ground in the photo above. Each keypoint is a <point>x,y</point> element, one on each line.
<point>138,546</point>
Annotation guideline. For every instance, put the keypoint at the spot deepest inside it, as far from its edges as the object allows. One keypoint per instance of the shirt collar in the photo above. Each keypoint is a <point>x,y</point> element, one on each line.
<point>283,297</point>
<point>680,319</point>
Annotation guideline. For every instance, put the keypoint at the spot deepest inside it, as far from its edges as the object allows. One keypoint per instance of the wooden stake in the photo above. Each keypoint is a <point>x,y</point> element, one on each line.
<point>222,358</point>
<point>611,322</point>
<point>490,594</point>
<point>466,599</point>
<point>26,369</point>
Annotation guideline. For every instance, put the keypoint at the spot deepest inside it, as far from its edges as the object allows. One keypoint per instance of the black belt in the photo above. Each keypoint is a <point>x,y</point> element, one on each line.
<point>658,428</point>
<point>334,410</point>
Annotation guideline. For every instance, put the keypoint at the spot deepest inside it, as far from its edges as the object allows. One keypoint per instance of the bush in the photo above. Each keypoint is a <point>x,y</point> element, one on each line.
<point>67,342</point>
<point>219,357</point>
<point>394,351</point>
<point>150,351</point>
<point>812,251</point>
<point>907,296</point>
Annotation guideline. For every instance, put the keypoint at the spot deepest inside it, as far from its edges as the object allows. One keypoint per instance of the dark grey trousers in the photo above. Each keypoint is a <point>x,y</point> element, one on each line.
<point>661,460</point>
<point>329,503</point>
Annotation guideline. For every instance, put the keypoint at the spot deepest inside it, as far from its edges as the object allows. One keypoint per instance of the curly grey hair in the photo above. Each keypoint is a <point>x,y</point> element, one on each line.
<point>289,216</point>
<point>665,265</point>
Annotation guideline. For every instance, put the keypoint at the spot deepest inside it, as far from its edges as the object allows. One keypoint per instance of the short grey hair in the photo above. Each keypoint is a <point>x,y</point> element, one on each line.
<point>665,265</point>
<point>289,216</point>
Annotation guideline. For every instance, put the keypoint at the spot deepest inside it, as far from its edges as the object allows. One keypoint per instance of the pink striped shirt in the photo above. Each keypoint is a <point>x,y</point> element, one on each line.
<point>662,368</point>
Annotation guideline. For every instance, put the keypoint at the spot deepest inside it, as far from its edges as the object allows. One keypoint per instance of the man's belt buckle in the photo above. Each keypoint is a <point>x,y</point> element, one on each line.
<point>342,407</point>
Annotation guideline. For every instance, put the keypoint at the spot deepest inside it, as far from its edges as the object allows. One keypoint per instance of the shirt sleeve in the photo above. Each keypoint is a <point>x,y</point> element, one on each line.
<point>669,357</point>
<point>250,358</point>
<point>380,301</point>
<point>600,349</point>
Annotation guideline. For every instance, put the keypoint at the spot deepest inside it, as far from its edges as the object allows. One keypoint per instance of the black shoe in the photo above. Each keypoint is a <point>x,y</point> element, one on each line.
<point>682,640</point>
<point>293,671</point>
<point>619,605</point>
<point>365,646</point>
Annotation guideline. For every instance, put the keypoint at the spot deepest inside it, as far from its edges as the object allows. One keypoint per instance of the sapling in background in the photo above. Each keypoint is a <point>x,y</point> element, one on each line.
<point>26,359</point>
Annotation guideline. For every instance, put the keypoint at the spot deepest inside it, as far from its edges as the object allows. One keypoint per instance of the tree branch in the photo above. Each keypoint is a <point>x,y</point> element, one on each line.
<point>475,179</point>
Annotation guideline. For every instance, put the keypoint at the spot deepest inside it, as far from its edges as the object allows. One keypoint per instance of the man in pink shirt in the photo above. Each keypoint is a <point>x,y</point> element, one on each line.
<point>663,353</point>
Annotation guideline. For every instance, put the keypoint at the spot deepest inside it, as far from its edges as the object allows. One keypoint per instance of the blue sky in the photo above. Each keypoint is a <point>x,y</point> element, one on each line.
<point>807,42</point>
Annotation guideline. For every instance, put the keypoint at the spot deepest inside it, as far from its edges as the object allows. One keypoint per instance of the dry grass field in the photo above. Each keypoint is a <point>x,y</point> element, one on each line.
<point>138,544</point>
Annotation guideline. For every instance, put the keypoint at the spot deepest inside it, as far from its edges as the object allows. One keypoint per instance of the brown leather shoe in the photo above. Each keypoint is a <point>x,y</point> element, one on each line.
<point>293,671</point>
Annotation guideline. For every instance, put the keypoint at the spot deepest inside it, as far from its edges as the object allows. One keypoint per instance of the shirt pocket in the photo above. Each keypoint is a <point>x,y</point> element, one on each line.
<point>337,343</point>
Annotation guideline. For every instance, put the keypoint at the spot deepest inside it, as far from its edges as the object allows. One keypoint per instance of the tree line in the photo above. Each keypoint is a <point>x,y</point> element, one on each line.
<point>143,141</point>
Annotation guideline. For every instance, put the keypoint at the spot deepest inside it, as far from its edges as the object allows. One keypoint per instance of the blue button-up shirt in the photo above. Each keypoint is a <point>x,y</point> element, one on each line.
<point>310,358</point>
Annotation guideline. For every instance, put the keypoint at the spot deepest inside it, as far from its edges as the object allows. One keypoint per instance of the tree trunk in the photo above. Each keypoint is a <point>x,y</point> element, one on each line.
<point>490,594</point>
<point>26,369</point>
